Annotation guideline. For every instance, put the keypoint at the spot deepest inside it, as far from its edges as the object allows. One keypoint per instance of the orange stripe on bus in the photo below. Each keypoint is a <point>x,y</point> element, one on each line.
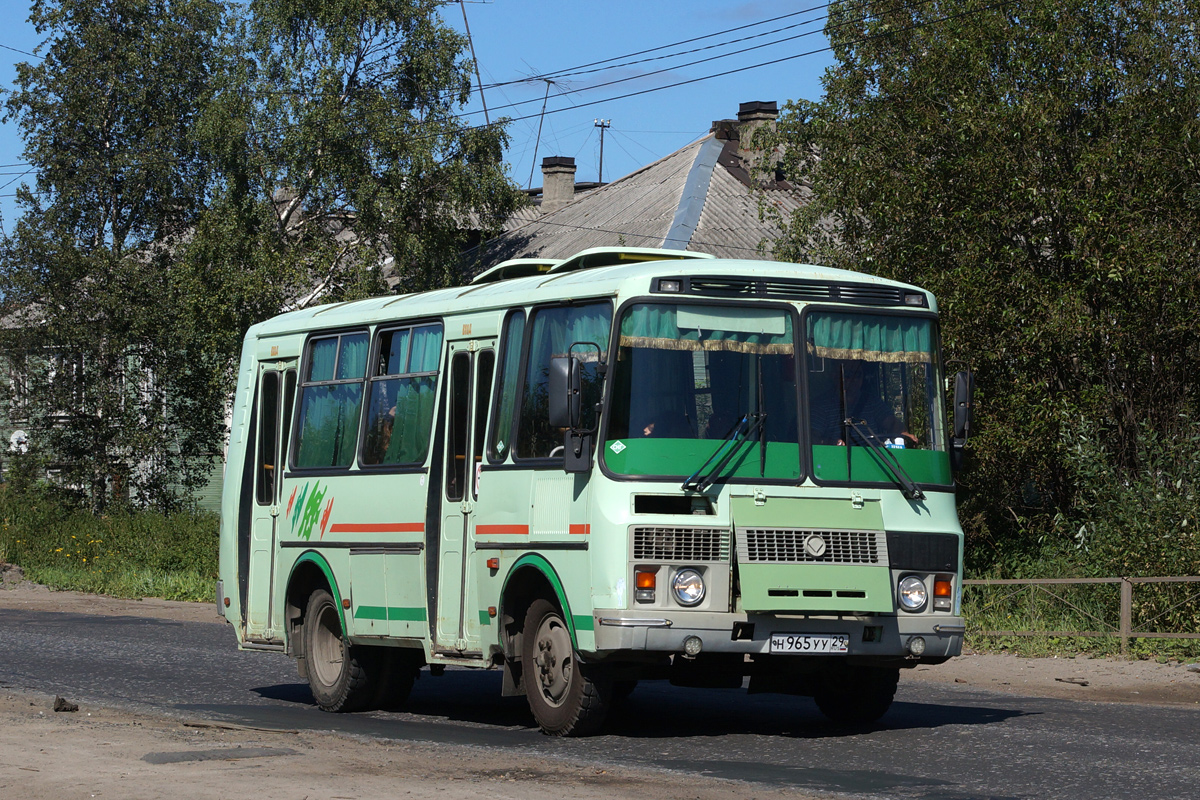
<point>498,530</point>
<point>580,528</point>
<point>378,527</point>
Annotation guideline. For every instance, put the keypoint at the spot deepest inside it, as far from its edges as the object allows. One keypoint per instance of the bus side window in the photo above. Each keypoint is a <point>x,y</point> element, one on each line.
<point>400,404</point>
<point>331,400</point>
<point>500,442</point>
<point>552,332</point>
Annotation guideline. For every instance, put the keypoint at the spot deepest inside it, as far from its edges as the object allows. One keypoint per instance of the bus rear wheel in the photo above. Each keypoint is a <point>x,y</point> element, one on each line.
<point>854,695</point>
<point>342,676</point>
<point>566,697</point>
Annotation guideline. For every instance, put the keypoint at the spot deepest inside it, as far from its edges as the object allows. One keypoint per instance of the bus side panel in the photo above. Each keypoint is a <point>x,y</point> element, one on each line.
<point>499,526</point>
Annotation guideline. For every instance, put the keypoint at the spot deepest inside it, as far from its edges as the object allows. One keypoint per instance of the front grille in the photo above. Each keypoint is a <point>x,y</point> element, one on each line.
<point>773,545</point>
<point>680,544</point>
<point>870,294</point>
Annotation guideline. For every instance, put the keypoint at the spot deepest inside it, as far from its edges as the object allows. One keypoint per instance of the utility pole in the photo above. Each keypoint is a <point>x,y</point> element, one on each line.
<point>602,124</point>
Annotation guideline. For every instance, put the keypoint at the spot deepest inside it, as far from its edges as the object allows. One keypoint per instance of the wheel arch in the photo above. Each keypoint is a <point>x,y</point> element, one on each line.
<point>531,577</point>
<point>310,572</point>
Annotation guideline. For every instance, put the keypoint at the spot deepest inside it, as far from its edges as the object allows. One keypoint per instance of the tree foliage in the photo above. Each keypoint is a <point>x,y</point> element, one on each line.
<point>107,116</point>
<point>1035,164</point>
<point>202,165</point>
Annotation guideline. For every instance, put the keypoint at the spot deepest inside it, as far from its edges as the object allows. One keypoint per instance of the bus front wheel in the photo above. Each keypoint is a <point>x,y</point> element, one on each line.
<point>340,674</point>
<point>855,695</point>
<point>566,697</point>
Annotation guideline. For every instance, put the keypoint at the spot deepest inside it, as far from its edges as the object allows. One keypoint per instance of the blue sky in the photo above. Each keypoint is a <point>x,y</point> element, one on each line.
<point>518,42</point>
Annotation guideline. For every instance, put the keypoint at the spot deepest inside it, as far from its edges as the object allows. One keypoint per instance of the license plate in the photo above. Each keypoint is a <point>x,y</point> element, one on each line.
<point>815,644</point>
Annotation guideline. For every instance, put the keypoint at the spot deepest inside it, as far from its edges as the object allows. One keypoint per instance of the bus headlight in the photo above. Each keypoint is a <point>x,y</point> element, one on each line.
<point>688,587</point>
<point>912,593</point>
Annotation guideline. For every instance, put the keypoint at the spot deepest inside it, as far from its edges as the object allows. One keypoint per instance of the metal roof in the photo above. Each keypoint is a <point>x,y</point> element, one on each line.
<point>699,198</point>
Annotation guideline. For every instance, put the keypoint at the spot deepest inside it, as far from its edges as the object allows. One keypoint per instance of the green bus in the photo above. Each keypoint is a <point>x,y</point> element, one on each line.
<point>629,464</point>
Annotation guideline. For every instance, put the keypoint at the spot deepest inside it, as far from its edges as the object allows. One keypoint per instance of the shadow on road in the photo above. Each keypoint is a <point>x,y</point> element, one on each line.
<point>655,710</point>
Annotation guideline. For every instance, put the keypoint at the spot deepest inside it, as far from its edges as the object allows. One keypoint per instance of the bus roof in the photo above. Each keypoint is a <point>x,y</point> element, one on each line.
<point>629,276</point>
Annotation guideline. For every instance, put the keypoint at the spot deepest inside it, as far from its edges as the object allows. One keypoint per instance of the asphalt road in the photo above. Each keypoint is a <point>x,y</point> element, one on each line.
<point>938,741</point>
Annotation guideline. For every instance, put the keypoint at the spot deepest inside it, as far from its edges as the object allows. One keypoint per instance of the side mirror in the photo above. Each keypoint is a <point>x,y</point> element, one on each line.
<point>564,391</point>
<point>964,406</point>
<point>964,416</point>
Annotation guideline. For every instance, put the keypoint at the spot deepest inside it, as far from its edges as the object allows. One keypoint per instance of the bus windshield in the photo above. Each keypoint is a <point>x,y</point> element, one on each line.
<point>873,382</point>
<point>687,376</point>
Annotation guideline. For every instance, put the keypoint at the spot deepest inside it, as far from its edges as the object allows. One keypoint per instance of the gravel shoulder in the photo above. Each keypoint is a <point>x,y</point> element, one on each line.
<point>103,752</point>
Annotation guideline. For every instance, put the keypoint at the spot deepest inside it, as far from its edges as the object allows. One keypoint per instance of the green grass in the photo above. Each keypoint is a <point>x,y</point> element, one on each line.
<point>124,554</point>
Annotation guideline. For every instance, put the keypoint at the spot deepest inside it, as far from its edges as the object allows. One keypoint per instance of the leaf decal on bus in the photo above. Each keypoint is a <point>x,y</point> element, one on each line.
<point>325,517</point>
<point>312,511</point>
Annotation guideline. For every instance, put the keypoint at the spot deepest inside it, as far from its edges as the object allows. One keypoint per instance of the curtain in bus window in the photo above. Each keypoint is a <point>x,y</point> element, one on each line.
<point>400,410</point>
<point>426,349</point>
<point>554,331</point>
<point>870,338</point>
<point>329,425</point>
<point>659,327</point>
<point>330,412</point>
<point>321,359</point>
<point>352,361</point>
<point>514,332</point>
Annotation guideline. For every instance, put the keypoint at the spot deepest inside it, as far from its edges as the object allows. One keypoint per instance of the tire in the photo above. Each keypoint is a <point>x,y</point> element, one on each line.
<point>567,698</point>
<point>856,695</point>
<point>342,676</point>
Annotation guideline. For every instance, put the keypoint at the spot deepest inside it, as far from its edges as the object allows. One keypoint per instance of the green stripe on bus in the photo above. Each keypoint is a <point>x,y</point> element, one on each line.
<point>484,617</point>
<point>390,613</point>
<point>583,623</point>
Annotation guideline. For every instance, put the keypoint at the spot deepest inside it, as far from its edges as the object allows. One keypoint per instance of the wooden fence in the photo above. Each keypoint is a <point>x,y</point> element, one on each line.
<point>1124,629</point>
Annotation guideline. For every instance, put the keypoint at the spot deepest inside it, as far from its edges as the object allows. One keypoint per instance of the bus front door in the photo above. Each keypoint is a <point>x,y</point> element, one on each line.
<point>471,367</point>
<point>276,391</point>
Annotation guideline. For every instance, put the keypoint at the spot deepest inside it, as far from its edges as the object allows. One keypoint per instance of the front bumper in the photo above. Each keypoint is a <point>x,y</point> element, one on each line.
<point>882,636</point>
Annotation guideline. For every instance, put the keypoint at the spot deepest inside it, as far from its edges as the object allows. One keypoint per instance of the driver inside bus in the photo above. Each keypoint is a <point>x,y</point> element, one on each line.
<point>850,389</point>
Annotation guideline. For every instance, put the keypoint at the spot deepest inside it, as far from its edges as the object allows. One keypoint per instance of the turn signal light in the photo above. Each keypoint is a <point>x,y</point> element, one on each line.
<point>493,563</point>
<point>645,580</point>
<point>941,587</point>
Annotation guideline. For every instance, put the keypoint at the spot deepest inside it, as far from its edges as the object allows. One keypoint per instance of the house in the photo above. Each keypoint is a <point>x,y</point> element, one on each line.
<point>704,197</point>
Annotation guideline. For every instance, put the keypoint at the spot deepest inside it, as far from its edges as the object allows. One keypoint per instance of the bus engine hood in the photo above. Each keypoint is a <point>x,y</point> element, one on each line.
<point>811,555</point>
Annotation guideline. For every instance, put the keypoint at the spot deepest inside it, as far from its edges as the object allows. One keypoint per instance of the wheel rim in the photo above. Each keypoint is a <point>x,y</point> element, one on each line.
<point>328,649</point>
<point>554,659</point>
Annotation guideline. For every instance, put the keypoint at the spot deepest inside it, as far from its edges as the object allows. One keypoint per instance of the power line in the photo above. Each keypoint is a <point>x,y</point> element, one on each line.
<point>567,74</point>
<point>569,70</point>
<point>22,52</point>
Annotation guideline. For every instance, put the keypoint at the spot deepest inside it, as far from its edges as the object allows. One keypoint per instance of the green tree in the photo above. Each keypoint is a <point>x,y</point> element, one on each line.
<point>107,116</point>
<point>346,166</point>
<point>1035,164</point>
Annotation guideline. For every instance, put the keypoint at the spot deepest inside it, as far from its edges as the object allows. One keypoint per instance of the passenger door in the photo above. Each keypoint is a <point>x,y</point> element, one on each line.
<point>470,371</point>
<point>276,393</point>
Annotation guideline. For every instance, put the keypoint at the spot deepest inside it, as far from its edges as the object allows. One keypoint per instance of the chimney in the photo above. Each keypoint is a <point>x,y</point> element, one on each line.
<point>558,182</point>
<point>751,117</point>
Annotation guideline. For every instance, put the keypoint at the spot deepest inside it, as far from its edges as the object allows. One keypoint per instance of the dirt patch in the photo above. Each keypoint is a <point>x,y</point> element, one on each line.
<point>99,752</point>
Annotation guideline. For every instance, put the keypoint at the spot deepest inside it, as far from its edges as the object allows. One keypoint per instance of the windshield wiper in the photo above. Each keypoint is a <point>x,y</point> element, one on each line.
<point>907,485</point>
<point>700,479</point>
